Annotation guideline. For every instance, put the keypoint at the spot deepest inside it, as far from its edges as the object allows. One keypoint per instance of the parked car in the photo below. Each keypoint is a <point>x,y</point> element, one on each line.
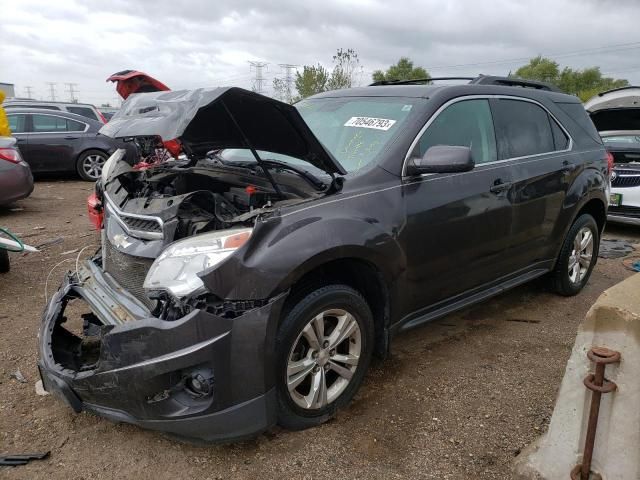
<point>616,115</point>
<point>61,142</point>
<point>250,282</point>
<point>84,109</point>
<point>108,112</point>
<point>16,181</point>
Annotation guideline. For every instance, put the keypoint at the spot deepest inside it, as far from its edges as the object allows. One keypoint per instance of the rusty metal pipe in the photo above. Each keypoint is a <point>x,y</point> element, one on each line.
<point>598,385</point>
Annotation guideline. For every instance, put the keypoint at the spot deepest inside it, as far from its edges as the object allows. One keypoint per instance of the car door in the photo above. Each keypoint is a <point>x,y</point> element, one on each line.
<point>52,142</point>
<point>535,147</point>
<point>457,225</point>
<point>18,123</point>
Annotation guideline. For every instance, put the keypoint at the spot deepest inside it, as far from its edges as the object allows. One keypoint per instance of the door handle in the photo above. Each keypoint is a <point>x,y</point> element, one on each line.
<point>20,140</point>
<point>499,186</point>
<point>70,137</point>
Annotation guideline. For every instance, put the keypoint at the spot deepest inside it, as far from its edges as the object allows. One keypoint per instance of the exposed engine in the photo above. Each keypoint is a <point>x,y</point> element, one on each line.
<point>199,198</point>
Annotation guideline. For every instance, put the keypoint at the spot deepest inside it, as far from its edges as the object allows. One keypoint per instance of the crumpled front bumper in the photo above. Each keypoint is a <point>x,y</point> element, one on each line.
<point>137,371</point>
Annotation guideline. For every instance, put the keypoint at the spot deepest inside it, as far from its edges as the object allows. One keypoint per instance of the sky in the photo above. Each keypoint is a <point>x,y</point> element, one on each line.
<point>202,43</point>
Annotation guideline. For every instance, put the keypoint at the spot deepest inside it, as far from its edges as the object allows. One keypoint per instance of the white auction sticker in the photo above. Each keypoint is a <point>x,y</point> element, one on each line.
<point>370,122</point>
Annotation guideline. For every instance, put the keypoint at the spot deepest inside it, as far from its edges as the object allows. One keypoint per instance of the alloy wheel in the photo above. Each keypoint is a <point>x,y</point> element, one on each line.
<point>92,165</point>
<point>323,359</point>
<point>581,255</point>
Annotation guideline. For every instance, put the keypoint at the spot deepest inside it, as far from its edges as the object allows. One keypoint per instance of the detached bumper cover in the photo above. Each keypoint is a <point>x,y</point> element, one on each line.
<point>135,371</point>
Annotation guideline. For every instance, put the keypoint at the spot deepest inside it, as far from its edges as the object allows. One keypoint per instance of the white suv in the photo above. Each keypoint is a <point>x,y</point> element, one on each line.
<point>616,115</point>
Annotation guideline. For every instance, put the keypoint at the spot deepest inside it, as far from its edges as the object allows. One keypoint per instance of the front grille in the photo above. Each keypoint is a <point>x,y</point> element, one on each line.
<point>626,178</point>
<point>141,224</point>
<point>625,211</point>
<point>128,271</point>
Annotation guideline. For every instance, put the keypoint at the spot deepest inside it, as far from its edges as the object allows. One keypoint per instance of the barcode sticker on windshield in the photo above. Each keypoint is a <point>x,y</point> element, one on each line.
<point>370,122</point>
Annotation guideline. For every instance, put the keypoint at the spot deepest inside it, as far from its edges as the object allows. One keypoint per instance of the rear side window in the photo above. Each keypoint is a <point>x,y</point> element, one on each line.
<point>466,123</point>
<point>53,123</point>
<point>522,129</point>
<point>84,111</point>
<point>16,123</point>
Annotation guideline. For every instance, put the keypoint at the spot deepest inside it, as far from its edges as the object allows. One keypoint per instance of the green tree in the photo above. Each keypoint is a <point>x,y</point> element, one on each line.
<point>316,79</point>
<point>584,83</point>
<point>343,74</point>
<point>312,80</point>
<point>403,70</point>
<point>282,90</point>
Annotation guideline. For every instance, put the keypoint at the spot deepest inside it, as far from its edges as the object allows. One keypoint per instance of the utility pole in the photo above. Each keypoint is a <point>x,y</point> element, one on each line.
<point>258,82</point>
<point>28,89</point>
<point>52,91</point>
<point>288,79</point>
<point>71,89</point>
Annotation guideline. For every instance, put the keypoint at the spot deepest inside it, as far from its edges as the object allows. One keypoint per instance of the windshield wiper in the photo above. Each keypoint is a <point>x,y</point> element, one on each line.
<point>270,163</point>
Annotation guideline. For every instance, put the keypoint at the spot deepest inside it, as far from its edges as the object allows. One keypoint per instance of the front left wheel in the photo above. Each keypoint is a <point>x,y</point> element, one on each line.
<point>324,347</point>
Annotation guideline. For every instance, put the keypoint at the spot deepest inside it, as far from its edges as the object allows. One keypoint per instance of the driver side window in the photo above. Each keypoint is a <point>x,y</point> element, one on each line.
<point>467,123</point>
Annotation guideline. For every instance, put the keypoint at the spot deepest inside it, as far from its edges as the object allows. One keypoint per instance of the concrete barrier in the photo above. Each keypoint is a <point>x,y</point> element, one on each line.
<point>612,322</point>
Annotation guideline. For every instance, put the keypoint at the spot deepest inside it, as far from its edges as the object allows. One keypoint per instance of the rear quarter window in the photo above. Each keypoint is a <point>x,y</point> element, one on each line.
<point>580,116</point>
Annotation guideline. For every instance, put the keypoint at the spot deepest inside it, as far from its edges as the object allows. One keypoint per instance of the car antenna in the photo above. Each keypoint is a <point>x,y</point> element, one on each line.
<point>253,150</point>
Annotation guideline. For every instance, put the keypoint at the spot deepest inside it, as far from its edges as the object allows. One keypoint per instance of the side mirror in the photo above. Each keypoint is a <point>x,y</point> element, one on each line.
<point>442,159</point>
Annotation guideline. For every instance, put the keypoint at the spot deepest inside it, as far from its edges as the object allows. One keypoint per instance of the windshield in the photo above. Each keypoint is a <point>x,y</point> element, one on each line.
<point>353,129</point>
<point>356,129</point>
<point>622,139</point>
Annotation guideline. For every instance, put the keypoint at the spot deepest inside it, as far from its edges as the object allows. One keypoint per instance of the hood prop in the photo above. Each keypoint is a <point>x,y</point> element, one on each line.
<point>249,145</point>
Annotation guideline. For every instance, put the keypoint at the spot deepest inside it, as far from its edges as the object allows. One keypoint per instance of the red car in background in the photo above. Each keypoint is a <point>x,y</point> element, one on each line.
<point>129,82</point>
<point>133,81</point>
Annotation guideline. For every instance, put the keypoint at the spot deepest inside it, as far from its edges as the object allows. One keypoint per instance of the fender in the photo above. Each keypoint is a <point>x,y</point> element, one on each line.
<point>277,255</point>
<point>590,184</point>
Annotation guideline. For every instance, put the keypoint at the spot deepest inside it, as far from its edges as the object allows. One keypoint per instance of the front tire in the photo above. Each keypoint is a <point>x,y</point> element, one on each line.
<point>323,348</point>
<point>577,257</point>
<point>90,163</point>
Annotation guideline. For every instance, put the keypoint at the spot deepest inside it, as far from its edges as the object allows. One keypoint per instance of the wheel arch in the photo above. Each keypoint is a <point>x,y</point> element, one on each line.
<point>359,273</point>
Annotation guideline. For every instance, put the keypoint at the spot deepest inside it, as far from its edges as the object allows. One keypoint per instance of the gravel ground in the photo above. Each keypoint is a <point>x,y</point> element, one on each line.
<point>457,399</point>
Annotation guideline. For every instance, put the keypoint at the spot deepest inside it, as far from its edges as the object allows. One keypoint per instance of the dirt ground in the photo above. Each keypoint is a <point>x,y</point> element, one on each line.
<point>457,399</point>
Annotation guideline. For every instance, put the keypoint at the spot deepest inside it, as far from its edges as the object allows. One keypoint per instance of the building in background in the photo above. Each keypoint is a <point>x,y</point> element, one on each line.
<point>8,89</point>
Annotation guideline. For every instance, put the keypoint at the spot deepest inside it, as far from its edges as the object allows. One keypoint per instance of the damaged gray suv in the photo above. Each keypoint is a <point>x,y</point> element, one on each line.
<point>257,255</point>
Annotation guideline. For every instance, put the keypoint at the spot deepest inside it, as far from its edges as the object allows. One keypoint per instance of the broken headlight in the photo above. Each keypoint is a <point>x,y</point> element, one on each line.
<point>176,269</point>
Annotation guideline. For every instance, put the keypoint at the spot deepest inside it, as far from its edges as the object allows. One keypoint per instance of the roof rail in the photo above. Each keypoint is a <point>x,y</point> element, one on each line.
<point>479,80</point>
<point>514,82</point>
<point>417,81</point>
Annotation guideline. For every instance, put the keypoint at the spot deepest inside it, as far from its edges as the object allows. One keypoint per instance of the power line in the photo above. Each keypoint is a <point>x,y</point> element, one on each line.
<point>28,90</point>
<point>258,81</point>
<point>71,90</point>
<point>52,91</point>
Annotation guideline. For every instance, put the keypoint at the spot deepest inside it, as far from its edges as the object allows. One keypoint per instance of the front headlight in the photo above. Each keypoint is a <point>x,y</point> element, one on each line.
<point>176,269</point>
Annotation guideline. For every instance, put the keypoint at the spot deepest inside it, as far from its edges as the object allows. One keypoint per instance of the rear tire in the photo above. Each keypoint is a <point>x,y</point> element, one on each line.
<point>323,350</point>
<point>577,257</point>
<point>4,261</point>
<point>90,163</point>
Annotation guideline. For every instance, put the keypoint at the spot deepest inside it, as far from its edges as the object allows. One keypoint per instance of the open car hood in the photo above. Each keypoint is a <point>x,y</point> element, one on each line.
<point>133,81</point>
<point>218,118</point>
<point>615,110</point>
